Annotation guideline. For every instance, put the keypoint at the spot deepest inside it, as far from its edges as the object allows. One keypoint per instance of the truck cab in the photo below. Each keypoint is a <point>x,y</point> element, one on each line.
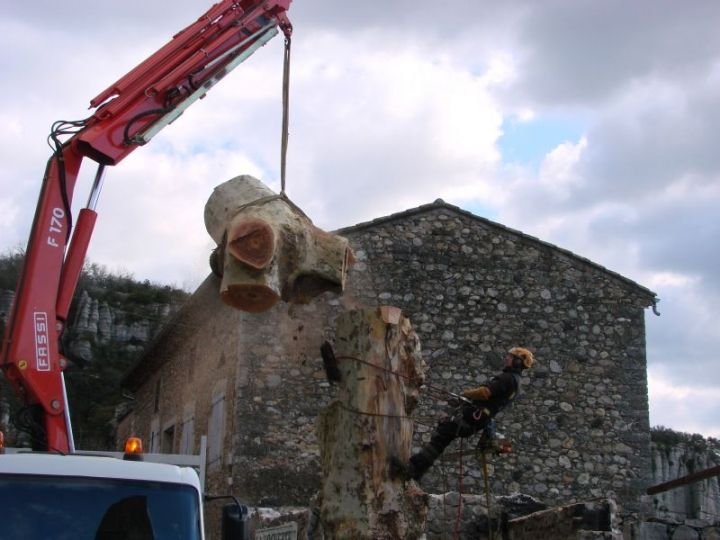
<point>97,498</point>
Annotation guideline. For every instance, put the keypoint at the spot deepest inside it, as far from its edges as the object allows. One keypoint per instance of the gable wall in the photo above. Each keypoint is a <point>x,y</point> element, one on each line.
<point>580,429</point>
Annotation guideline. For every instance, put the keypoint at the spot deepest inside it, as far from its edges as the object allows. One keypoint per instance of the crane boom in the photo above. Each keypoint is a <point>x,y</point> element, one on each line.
<point>127,114</point>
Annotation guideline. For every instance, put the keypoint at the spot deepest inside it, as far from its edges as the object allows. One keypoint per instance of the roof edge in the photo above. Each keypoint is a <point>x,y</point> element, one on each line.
<point>441,204</point>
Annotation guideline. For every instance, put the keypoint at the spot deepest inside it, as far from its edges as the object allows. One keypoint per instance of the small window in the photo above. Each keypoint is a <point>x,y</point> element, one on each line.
<point>153,442</point>
<point>158,386</point>
<point>187,437</point>
<point>154,437</point>
<point>168,440</point>
<point>216,431</point>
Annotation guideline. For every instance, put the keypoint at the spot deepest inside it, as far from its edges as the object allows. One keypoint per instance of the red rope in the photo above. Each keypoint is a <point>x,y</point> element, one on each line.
<point>445,490</point>
<point>460,492</point>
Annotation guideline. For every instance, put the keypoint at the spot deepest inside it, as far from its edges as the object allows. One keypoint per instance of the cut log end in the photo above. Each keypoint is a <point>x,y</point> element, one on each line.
<point>313,280</point>
<point>250,298</point>
<point>271,245</point>
<point>308,286</point>
<point>252,242</point>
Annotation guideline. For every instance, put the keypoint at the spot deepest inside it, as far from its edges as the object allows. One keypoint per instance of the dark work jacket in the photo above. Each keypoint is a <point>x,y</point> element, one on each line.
<point>503,389</point>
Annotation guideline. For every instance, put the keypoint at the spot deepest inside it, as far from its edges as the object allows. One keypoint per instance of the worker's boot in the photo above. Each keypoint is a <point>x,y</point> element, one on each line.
<point>400,469</point>
<point>423,460</point>
<point>445,432</point>
<point>416,467</point>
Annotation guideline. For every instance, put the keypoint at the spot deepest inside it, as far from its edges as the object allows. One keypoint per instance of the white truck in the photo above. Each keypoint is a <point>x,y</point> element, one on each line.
<point>50,496</point>
<point>110,496</point>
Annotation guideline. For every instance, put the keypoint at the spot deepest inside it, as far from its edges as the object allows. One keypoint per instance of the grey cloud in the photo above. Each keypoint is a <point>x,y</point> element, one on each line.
<point>399,16</point>
<point>702,414</point>
<point>135,18</point>
<point>639,148</point>
<point>680,236</point>
<point>679,339</point>
<point>364,179</point>
<point>106,18</point>
<point>587,52</point>
<point>656,144</point>
<point>635,158</point>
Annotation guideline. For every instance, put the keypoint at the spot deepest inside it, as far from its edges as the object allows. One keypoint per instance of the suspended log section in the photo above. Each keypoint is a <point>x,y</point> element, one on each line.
<point>268,249</point>
<point>379,373</point>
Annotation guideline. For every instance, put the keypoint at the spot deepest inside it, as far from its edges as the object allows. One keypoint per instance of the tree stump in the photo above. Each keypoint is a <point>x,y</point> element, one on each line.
<point>268,249</point>
<point>381,370</point>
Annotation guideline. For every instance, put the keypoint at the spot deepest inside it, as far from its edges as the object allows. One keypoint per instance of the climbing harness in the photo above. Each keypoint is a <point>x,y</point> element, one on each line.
<point>480,412</point>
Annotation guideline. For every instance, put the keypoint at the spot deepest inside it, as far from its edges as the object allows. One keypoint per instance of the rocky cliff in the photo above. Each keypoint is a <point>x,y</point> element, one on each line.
<point>99,322</point>
<point>112,319</point>
<point>675,455</point>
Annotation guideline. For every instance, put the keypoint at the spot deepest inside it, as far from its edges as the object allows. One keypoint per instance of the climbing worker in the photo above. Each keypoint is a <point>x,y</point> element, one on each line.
<point>471,416</point>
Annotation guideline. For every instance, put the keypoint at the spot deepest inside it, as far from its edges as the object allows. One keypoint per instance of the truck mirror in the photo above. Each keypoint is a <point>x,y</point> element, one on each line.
<point>235,522</point>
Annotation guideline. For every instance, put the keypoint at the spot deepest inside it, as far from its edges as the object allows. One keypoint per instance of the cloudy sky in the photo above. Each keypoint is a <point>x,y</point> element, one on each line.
<point>592,125</point>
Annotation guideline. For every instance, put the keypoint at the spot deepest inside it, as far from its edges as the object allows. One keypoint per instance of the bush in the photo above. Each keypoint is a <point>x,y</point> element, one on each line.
<point>664,436</point>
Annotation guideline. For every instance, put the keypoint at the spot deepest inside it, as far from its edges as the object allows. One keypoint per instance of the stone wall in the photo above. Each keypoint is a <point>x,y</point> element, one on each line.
<point>267,371</point>
<point>472,289</point>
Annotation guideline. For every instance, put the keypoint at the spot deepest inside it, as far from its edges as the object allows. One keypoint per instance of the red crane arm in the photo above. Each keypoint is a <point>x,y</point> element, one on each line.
<point>128,113</point>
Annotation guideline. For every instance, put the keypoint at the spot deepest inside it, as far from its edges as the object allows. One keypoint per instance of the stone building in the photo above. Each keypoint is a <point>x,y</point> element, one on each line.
<point>472,288</point>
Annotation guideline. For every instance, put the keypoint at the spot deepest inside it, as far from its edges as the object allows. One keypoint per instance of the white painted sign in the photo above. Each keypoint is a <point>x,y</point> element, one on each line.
<point>42,341</point>
<point>286,531</point>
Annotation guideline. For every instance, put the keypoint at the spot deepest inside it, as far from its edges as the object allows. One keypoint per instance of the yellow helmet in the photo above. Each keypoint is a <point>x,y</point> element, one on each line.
<point>525,355</point>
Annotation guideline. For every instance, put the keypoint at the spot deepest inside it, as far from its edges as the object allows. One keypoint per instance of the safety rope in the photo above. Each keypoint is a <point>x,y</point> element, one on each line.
<point>437,390</point>
<point>384,415</point>
<point>283,140</point>
<point>445,475</point>
<point>286,107</point>
<point>270,198</point>
<point>486,480</point>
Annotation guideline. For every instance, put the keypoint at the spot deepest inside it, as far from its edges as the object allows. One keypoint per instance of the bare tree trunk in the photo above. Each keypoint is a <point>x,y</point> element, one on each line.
<point>381,369</point>
<point>269,249</point>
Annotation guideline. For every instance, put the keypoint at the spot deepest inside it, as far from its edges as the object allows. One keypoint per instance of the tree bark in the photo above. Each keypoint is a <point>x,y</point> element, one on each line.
<point>270,249</point>
<point>381,369</point>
